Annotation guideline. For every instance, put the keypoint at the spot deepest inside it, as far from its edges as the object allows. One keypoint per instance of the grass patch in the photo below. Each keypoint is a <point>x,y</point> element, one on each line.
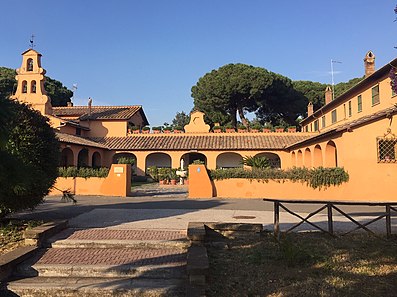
<point>304,264</point>
<point>11,233</point>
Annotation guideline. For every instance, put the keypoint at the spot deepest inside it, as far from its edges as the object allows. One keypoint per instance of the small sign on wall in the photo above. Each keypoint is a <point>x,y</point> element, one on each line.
<point>118,169</point>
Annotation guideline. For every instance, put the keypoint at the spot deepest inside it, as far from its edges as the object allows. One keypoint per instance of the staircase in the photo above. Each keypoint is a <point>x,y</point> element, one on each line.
<point>106,262</point>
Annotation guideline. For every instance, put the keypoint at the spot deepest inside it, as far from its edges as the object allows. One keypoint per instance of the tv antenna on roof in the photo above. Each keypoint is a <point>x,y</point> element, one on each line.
<point>32,45</point>
<point>332,77</point>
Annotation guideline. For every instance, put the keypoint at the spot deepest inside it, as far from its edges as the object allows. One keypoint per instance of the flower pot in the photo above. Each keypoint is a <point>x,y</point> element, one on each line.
<point>145,131</point>
<point>266,130</point>
<point>136,131</point>
<point>230,130</point>
<point>254,130</point>
<point>291,130</point>
<point>156,131</point>
<point>279,130</point>
<point>173,182</point>
<point>241,130</point>
<point>217,130</point>
<point>167,131</point>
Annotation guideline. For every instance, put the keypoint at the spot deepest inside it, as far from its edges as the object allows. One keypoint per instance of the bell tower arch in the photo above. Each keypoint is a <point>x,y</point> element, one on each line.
<point>30,78</point>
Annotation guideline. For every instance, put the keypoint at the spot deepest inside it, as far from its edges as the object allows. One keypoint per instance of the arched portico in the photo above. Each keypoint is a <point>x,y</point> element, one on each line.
<point>331,155</point>
<point>161,160</point>
<point>96,160</point>
<point>117,156</point>
<point>190,157</point>
<point>67,157</point>
<point>308,158</point>
<point>299,159</point>
<point>274,159</point>
<point>82,158</point>
<point>229,160</point>
<point>317,156</point>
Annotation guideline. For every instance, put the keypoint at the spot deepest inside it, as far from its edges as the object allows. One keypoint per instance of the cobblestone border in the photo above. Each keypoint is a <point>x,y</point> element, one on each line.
<point>34,239</point>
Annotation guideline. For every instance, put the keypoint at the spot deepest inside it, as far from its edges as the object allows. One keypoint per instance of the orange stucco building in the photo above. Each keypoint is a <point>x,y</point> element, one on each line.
<point>354,131</point>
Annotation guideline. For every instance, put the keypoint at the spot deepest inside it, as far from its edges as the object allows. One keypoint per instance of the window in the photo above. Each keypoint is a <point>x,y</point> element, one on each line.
<point>344,111</point>
<point>323,122</point>
<point>316,125</point>
<point>33,86</point>
<point>306,128</point>
<point>78,131</point>
<point>333,116</point>
<point>311,127</point>
<point>359,104</point>
<point>24,86</point>
<point>350,108</point>
<point>387,149</point>
<point>375,95</point>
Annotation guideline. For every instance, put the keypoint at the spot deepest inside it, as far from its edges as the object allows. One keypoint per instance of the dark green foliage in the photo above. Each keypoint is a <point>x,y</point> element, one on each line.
<point>58,93</point>
<point>85,172</point>
<point>315,178</point>
<point>256,162</point>
<point>152,171</point>
<point>126,160</point>
<point>315,92</point>
<point>238,88</point>
<point>181,120</point>
<point>29,156</point>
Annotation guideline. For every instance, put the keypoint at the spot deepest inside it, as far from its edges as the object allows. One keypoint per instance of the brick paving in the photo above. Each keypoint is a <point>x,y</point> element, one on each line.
<point>111,234</point>
<point>100,256</point>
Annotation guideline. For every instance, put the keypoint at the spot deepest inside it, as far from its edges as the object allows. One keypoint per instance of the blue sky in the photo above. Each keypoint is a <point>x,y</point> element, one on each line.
<point>151,52</point>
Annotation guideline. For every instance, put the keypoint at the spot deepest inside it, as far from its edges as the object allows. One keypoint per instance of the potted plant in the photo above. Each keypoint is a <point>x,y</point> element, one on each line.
<point>292,129</point>
<point>163,175</point>
<point>279,129</point>
<point>229,128</point>
<point>173,176</point>
<point>135,129</point>
<point>145,130</point>
<point>156,130</point>
<point>167,129</point>
<point>256,128</point>
<point>241,128</point>
<point>267,128</point>
<point>178,129</point>
<point>217,129</point>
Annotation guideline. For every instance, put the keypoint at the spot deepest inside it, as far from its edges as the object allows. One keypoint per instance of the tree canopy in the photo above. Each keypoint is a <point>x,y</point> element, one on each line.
<point>239,88</point>
<point>59,94</point>
<point>181,120</point>
<point>29,153</point>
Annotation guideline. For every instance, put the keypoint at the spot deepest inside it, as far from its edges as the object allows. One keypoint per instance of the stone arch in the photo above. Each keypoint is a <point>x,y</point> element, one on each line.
<point>189,158</point>
<point>67,157</point>
<point>331,154</point>
<point>229,160</point>
<point>126,155</point>
<point>33,86</point>
<point>274,159</point>
<point>293,159</point>
<point>96,160</point>
<point>317,156</point>
<point>308,158</point>
<point>161,160</point>
<point>82,158</point>
<point>299,159</point>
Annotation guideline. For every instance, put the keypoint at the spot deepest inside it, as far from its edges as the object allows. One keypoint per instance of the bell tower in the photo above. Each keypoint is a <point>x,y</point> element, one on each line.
<point>30,78</point>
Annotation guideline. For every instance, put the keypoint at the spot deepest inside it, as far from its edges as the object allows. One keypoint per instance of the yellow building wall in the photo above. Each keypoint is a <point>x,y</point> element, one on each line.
<point>107,128</point>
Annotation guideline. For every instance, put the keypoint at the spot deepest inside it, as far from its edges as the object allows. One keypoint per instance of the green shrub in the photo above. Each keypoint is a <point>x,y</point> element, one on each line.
<point>315,178</point>
<point>152,171</point>
<point>29,156</point>
<point>85,172</point>
<point>126,160</point>
<point>256,162</point>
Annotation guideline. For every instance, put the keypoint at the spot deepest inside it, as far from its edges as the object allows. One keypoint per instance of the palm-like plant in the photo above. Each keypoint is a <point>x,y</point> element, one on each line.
<point>256,162</point>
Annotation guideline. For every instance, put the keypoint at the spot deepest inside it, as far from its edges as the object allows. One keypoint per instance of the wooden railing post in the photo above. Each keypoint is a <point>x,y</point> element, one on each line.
<point>330,221</point>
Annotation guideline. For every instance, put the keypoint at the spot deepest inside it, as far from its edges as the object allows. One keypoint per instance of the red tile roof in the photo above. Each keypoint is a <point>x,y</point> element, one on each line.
<point>74,139</point>
<point>203,142</point>
<point>98,112</point>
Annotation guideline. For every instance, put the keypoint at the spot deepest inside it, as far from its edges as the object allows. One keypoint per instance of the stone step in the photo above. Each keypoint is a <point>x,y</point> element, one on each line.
<point>90,287</point>
<point>111,238</point>
<point>102,262</point>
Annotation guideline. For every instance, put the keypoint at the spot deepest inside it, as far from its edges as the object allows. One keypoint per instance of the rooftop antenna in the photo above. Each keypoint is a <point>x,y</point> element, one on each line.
<point>332,77</point>
<point>32,45</point>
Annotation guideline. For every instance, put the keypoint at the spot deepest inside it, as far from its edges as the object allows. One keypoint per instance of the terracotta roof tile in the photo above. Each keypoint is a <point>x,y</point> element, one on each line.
<point>203,142</point>
<point>74,139</point>
<point>97,112</point>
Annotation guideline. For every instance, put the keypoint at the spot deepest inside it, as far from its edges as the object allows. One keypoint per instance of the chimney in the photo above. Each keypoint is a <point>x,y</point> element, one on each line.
<point>369,63</point>
<point>328,95</point>
<point>89,105</point>
<point>69,104</point>
<point>309,109</point>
